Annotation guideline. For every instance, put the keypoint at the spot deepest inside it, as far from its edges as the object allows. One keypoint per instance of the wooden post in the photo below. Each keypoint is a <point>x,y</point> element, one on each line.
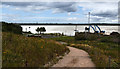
<point>26,64</point>
<point>109,62</point>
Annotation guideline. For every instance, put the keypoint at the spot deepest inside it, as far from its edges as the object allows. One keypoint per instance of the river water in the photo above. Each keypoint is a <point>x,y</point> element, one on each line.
<point>68,29</point>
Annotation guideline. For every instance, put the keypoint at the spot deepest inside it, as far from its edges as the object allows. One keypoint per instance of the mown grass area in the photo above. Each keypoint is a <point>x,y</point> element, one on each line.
<point>99,49</point>
<point>68,39</point>
<point>21,51</point>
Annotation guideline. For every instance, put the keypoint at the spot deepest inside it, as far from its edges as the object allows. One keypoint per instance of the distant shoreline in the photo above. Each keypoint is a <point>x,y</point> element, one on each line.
<point>107,24</point>
<point>65,24</point>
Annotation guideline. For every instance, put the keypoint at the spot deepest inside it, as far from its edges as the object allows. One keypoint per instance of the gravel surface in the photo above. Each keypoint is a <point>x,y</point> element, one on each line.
<point>75,58</point>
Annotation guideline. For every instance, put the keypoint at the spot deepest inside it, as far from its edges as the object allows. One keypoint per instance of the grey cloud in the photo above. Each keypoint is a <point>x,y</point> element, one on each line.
<point>70,9</point>
<point>105,10</point>
<point>61,6</point>
<point>119,11</point>
<point>21,4</point>
<point>96,19</point>
<point>64,6</point>
<point>103,19</point>
<point>106,14</point>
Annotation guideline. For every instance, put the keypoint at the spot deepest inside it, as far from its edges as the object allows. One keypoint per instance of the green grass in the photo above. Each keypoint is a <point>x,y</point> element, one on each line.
<point>64,39</point>
<point>98,49</point>
<point>36,52</point>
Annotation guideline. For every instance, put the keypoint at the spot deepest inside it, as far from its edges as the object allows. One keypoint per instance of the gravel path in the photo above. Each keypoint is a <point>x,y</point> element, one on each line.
<point>75,58</point>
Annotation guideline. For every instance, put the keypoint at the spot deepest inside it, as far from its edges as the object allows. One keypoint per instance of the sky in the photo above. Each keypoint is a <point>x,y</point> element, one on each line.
<point>59,12</point>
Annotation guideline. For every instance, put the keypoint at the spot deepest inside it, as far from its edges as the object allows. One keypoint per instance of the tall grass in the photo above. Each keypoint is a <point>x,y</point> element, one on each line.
<point>21,51</point>
<point>99,49</point>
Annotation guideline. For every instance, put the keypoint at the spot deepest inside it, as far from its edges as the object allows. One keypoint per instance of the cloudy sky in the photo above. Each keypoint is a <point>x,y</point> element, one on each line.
<point>59,12</point>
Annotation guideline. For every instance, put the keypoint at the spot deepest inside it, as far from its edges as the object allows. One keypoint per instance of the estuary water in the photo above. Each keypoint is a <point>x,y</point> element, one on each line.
<point>68,29</point>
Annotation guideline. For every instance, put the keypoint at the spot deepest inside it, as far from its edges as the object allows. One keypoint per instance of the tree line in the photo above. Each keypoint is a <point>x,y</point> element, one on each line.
<point>10,27</point>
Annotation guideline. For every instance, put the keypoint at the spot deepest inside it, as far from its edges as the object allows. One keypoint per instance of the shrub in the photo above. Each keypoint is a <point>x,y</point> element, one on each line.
<point>86,36</point>
<point>113,39</point>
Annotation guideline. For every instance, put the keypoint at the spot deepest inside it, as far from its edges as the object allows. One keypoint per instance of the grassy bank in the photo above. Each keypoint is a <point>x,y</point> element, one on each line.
<point>21,51</point>
<point>99,49</point>
<point>68,39</point>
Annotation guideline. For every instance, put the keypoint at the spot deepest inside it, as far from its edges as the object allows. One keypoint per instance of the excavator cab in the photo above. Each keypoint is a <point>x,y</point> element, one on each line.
<point>102,32</point>
<point>96,31</point>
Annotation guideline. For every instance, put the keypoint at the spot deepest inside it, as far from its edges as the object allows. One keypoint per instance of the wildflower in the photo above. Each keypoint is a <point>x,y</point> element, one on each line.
<point>4,52</point>
<point>42,40</point>
<point>72,44</point>
<point>86,45</point>
<point>90,46</point>
<point>41,46</point>
<point>57,55</point>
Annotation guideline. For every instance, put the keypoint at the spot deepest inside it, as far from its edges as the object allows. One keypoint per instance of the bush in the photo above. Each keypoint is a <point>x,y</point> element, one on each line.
<point>114,33</point>
<point>112,39</point>
<point>9,27</point>
<point>86,36</point>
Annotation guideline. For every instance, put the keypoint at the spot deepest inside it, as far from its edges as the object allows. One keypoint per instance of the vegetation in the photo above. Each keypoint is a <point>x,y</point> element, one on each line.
<point>86,36</point>
<point>27,32</point>
<point>68,39</point>
<point>107,24</point>
<point>100,53</point>
<point>9,27</point>
<point>21,51</point>
<point>35,52</point>
<point>41,29</point>
<point>99,49</point>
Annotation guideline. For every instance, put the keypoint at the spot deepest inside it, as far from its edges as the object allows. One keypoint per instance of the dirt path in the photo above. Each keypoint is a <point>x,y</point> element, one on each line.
<point>75,58</point>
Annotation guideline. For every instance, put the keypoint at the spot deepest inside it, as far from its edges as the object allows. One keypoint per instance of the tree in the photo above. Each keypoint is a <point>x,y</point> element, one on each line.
<point>38,30</point>
<point>41,29</point>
